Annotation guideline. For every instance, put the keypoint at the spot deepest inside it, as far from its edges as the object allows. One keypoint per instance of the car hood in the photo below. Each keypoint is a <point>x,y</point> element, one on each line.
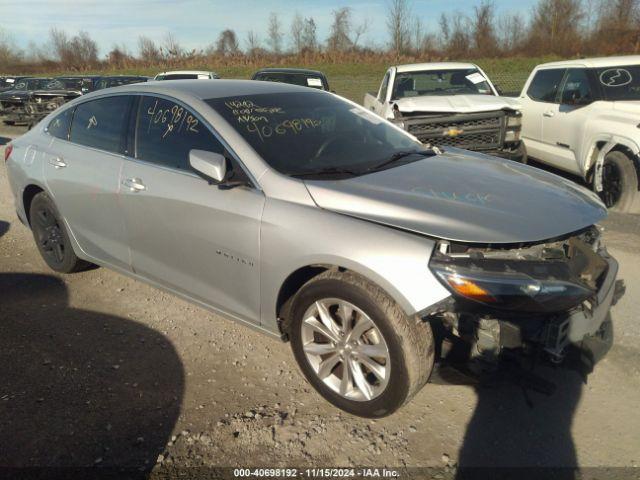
<point>467,197</point>
<point>456,103</point>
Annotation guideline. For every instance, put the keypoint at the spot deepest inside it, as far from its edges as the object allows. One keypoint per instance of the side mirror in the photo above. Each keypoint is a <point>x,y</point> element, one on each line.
<point>211,165</point>
<point>499,91</point>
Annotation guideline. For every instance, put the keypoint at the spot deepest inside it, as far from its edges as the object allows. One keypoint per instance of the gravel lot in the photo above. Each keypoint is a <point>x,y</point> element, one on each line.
<point>99,369</point>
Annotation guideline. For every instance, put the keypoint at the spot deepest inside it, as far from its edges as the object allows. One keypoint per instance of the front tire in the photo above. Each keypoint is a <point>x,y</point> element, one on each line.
<point>357,347</point>
<point>51,236</point>
<point>619,182</point>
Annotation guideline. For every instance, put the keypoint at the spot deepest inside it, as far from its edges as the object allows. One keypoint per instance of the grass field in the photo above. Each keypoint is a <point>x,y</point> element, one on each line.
<point>352,80</point>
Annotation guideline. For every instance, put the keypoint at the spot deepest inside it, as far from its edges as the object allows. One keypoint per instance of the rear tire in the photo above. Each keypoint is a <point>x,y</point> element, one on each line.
<point>387,355</point>
<point>619,183</point>
<point>51,236</point>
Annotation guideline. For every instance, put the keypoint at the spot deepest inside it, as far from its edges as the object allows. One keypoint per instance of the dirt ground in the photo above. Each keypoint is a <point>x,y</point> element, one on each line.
<point>99,369</point>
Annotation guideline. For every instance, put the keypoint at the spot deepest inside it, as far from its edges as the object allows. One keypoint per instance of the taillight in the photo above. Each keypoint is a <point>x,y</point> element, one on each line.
<point>7,152</point>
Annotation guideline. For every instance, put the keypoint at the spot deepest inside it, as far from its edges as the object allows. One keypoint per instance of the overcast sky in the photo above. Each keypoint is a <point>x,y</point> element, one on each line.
<point>197,23</point>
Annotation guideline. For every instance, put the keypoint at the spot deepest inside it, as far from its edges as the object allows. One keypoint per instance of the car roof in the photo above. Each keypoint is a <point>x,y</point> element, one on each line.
<point>122,76</point>
<point>413,67</point>
<point>206,90</point>
<point>304,71</point>
<point>596,62</point>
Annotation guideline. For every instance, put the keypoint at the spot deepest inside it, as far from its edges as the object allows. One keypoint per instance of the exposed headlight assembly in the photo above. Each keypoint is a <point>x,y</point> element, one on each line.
<point>514,125</point>
<point>511,290</point>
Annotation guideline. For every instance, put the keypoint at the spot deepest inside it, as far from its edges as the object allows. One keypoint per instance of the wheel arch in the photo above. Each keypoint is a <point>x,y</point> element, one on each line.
<point>29,192</point>
<point>300,276</point>
<point>600,147</point>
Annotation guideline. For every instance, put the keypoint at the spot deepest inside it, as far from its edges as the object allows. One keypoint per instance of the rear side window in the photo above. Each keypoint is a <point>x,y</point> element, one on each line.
<point>59,126</point>
<point>544,86</point>
<point>101,123</point>
<point>166,131</point>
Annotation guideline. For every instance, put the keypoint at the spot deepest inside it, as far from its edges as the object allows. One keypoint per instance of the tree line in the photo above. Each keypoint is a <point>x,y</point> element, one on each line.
<point>565,28</point>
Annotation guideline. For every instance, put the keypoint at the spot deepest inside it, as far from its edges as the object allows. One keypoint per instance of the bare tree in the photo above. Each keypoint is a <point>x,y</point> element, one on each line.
<point>398,24</point>
<point>252,41</point>
<point>485,42</point>
<point>172,46</point>
<point>510,32</point>
<point>555,27</point>
<point>10,55</point>
<point>616,27</point>
<point>227,43</point>
<point>297,29</point>
<point>458,43</point>
<point>339,39</point>
<point>309,36</point>
<point>148,51</point>
<point>358,31</point>
<point>275,34</point>
<point>77,52</point>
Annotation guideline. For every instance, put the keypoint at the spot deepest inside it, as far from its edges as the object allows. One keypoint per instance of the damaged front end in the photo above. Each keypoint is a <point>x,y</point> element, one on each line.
<point>493,132</point>
<point>526,299</point>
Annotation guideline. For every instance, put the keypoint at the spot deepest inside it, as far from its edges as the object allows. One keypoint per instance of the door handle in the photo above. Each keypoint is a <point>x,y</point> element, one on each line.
<point>57,162</point>
<point>549,113</point>
<point>134,184</point>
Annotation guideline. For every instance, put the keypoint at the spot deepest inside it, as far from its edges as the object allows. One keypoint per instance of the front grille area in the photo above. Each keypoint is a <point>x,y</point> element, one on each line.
<point>478,131</point>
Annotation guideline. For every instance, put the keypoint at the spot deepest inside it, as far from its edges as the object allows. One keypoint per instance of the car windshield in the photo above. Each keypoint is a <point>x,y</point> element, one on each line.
<point>620,83</point>
<point>308,133</point>
<point>301,79</point>
<point>440,82</point>
<point>65,84</point>
<point>33,83</point>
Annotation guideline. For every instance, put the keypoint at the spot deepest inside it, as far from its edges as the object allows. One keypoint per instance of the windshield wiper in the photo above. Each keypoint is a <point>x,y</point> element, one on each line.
<point>324,172</point>
<point>400,155</point>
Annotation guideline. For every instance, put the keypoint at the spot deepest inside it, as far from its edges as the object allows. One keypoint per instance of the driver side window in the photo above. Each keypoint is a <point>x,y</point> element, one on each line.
<point>577,88</point>
<point>166,132</point>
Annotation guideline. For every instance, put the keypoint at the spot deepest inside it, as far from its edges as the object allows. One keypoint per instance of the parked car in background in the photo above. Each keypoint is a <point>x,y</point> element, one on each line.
<point>186,75</point>
<point>294,76</point>
<point>8,83</point>
<point>13,102</point>
<point>581,116</point>
<point>56,93</point>
<point>118,80</point>
<point>308,217</point>
<point>450,105</point>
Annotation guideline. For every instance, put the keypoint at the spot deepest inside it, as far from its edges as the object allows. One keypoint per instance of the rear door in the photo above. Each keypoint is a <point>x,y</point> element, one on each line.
<point>539,102</point>
<point>82,171</point>
<point>186,234</point>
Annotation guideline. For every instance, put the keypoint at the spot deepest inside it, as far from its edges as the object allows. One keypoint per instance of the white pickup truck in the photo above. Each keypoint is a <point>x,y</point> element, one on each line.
<point>450,104</point>
<point>583,117</point>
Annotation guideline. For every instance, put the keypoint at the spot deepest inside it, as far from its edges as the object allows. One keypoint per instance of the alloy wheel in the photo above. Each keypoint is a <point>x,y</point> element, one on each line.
<point>49,235</point>
<point>345,349</point>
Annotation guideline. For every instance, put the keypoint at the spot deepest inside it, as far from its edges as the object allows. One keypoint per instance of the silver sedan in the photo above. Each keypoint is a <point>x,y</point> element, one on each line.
<point>307,217</point>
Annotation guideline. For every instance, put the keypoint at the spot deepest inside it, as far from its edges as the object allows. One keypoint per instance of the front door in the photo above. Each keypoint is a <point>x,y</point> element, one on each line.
<point>185,233</point>
<point>539,103</point>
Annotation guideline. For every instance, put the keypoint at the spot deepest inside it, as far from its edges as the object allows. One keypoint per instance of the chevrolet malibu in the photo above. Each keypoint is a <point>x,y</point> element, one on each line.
<point>307,217</point>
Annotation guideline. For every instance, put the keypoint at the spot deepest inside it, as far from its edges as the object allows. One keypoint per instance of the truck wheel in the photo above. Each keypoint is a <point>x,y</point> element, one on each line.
<point>619,182</point>
<point>357,347</point>
<point>51,236</point>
